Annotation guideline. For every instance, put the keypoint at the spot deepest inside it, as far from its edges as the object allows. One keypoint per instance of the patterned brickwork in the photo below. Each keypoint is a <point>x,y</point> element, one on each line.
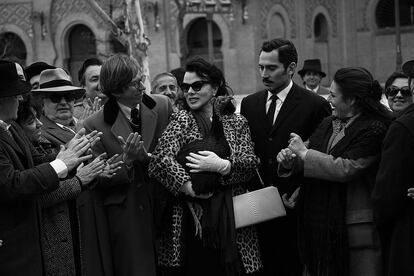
<point>18,14</point>
<point>288,5</point>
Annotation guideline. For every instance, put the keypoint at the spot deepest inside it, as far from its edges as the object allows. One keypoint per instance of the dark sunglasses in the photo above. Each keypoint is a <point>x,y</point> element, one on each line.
<point>196,86</point>
<point>56,98</point>
<point>392,91</point>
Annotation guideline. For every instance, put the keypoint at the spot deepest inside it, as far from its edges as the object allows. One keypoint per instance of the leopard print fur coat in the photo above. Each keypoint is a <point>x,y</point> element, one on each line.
<point>164,168</point>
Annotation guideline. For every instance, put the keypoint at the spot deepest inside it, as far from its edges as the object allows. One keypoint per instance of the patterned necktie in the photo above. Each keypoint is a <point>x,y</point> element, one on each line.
<point>135,119</point>
<point>271,111</point>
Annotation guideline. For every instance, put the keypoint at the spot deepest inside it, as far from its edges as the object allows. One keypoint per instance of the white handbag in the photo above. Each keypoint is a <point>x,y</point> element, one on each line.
<point>257,206</point>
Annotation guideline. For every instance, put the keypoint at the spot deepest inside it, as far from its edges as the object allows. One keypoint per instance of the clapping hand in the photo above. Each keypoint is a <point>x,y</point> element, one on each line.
<point>133,149</point>
<point>286,158</point>
<point>297,146</point>
<point>89,109</point>
<point>87,173</point>
<point>72,155</point>
<point>111,167</point>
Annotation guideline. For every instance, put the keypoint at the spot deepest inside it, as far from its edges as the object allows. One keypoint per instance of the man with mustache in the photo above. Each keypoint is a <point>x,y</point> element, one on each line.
<point>273,113</point>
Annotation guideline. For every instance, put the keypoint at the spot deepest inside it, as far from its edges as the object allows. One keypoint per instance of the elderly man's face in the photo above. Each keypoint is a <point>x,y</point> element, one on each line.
<point>59,106</point>
<point>91,76</point>
<point>312,79</point>
<point>167,86</point>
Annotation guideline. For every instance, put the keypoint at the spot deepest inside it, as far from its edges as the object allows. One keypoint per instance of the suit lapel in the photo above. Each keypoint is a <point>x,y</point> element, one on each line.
<point>54,130</point>
<point>149,123</point>
<point>121,126</point>
<point>291,101</point>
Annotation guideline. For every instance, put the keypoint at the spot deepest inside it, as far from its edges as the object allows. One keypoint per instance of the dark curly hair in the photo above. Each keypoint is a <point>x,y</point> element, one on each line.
<point>393,77</point>
<point>210,73</point>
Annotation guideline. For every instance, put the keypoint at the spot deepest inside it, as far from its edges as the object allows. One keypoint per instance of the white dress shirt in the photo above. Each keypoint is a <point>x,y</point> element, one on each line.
<point>281,96</point>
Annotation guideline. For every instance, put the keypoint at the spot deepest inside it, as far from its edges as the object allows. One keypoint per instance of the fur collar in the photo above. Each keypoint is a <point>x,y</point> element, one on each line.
<point>111,108</point>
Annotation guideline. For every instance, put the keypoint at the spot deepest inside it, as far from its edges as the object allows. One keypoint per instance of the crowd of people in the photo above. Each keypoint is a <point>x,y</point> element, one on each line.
<point>107,179</point>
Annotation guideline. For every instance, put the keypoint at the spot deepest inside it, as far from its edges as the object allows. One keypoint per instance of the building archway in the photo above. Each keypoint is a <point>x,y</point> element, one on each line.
<point>12,48</point>
<point>197,41</point>
<point>321,34</point>
<point>81,45</point>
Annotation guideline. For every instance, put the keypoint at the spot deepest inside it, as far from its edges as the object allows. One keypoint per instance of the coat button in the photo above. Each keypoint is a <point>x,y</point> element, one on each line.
<point>141,207</point>
<point>270,162</point>
<point>1,243</point>
<point>270,139</point>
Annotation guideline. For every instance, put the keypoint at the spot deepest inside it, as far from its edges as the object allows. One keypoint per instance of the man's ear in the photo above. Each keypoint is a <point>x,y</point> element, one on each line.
<point>291,68</point>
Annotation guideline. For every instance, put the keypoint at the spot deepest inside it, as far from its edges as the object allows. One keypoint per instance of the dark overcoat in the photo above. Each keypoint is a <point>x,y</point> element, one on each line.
<point>394,210</point>
<point>20,183</point>
<point>301,113</point>
<point>125,200</point>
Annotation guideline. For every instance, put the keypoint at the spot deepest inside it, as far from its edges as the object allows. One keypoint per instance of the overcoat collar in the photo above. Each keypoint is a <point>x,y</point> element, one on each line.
<point>17,143</point>
<point>120,124</point>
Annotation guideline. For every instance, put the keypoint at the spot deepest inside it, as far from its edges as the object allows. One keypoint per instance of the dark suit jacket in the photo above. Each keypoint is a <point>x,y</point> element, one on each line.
<point>301,113</point>
<point>393,209</point>
<point>20,181</point>
<point>55,134</point>
<point>126,198</point>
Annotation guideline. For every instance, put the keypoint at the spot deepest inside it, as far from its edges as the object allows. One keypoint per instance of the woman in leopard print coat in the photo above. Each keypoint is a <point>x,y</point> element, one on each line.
<point>177,243</point>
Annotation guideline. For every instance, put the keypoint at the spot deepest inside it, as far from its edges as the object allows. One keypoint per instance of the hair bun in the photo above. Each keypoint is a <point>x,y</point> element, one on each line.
<point>376,90</point>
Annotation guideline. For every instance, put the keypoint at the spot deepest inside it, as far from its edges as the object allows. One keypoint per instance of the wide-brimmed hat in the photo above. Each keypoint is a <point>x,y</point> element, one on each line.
<point>408,68</point>
<point>11,83</point>
<point>57,81</point>
<point>36,68</point>
<point>312,65</point>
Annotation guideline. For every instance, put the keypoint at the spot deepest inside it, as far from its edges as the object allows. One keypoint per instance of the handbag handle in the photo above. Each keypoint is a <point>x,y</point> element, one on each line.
<point>260,178</point>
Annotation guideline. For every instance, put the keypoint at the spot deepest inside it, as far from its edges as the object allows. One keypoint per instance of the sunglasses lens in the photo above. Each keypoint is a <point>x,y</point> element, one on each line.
<point>197,85</point>
<point>57,98</point>
<point>185,87</point>
<point>393,91</point>
<point>406,92</point>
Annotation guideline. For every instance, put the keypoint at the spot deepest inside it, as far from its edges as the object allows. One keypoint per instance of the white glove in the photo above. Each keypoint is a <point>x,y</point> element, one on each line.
<point>208,161</point>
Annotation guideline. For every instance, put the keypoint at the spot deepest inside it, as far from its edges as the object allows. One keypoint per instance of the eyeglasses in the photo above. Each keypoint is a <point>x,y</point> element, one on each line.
<point>196,86</point>
<point>392,91</point>
<point>139,83</point>
<point>56,98</point>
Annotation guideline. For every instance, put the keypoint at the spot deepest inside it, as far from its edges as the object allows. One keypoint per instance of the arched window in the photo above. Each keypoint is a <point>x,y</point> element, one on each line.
<point>12,48</point>
<point>320,28</point>
<point>82,45</point>
<point>277,26</point>
<point>197,41</point>
<point>385,13</point>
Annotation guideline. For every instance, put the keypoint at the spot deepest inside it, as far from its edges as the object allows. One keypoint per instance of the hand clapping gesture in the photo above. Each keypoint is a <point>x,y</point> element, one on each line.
<point>111,167</point>
<point>134,149</point>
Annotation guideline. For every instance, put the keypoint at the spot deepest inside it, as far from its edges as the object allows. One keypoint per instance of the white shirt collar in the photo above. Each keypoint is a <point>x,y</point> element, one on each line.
<point>126,110</point>
<point>282,94</point>
<point>4,125</point>
<point>314,90</point>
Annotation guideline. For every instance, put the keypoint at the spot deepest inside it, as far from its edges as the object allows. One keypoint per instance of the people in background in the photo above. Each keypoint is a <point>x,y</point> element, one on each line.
<point>398,93</point>
<point>312,76</point>
<point>393,199</point>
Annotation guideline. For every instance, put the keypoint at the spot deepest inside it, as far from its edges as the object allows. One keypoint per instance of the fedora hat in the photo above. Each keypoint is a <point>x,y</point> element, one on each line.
<point>36,68</point>
<point>312,65</point>
<point>57,80</point>
<point>11,82</point>
<point>408,68</point>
